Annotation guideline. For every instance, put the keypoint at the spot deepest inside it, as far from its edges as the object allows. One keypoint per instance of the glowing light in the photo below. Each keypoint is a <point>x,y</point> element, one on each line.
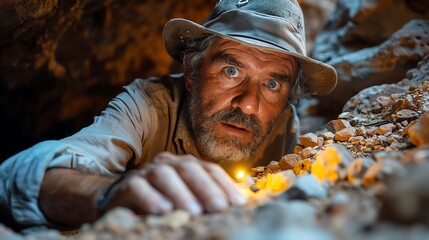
<point>240,175</point>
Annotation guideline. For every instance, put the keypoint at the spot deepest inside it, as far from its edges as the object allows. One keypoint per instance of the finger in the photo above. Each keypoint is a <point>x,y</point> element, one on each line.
<point>137,194</point>
<point>226,183</point>
<point>164,178</point>
<point>203,186</point>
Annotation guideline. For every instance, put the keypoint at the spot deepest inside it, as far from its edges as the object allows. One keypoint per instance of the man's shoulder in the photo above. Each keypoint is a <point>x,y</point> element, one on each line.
<point>167,83</point>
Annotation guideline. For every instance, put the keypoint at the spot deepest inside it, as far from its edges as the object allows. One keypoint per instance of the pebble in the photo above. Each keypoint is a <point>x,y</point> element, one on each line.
<point>118,221</point>
<point>302,167</point>
<point>361,131</point>
<point>328,135</point>
<point>174,220</point>
<point>419,131</point>
<point>345,134</point>
<point>312,188</point>
<point>298,148</point>
<point>289,161</point>
<point>308,140</point>
<point>337,125</point>
<point>383,100</point>
<point>356,140</point>
<point>371,131</point>
<point>345,115</point>
<point>406,114</point>
<point>385,128</point>
<point>273,166</point>
<point>357,169</point>
<point>307,153</point>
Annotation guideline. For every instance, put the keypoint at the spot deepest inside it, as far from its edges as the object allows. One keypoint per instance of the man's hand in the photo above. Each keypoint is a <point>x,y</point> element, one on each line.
<point>176,182</point>
<point>170,182</point>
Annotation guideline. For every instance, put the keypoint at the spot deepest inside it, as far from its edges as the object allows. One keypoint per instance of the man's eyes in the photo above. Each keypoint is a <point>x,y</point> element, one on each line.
<point>273,84</point>
<point>231,71</point>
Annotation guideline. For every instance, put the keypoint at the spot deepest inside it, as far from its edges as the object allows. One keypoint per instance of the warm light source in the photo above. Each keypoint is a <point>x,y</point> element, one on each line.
<point>240,175</point>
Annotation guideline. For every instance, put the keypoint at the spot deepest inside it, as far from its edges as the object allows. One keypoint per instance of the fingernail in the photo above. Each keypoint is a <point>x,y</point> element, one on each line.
<point>194,208</point>
<point>218,203</point>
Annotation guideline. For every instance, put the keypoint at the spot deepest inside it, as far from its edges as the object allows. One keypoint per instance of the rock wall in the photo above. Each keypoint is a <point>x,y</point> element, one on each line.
<point>369,43</point>
<point>61,61</point>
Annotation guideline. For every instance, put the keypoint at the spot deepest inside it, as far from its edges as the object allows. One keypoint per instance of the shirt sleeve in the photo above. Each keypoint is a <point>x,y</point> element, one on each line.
<point>105,147</point>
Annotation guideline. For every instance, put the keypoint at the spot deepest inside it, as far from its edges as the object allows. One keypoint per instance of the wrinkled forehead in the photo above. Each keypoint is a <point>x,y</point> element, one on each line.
<point>283,60</point>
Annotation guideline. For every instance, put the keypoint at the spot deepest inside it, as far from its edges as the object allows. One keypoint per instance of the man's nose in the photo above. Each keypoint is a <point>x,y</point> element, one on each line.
<point>247,99</point>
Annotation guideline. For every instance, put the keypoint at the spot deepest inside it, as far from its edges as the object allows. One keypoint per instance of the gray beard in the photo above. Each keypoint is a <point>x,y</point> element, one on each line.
<point>222,149</point>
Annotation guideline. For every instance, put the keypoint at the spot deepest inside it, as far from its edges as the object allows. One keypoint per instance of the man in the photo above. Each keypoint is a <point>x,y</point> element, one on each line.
<point>242,68</point>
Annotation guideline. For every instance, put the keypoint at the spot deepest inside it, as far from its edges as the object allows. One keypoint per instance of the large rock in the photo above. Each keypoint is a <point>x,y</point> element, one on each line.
<point>385,63</point>
<point>359,24</point>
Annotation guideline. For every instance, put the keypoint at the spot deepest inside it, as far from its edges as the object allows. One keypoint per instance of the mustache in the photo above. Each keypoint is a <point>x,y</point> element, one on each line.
<point>238,117</point>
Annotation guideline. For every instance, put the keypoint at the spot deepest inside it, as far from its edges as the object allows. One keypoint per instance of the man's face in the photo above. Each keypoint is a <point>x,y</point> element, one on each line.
<point>240,93</point>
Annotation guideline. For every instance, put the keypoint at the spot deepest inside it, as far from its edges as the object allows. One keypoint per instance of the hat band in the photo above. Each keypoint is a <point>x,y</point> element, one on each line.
<point>272,30</point>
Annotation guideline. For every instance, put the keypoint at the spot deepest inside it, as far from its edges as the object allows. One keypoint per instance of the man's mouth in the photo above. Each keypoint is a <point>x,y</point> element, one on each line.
<point>235,126</point>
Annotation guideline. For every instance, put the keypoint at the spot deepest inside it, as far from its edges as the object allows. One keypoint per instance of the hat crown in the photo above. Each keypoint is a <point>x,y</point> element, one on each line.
<point>285,9</point>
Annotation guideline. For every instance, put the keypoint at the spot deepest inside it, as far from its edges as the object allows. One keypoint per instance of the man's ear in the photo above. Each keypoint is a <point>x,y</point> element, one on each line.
<point>186,71</point>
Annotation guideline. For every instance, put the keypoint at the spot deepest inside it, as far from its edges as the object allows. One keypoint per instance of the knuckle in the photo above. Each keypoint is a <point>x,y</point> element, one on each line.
<point>159,171</point>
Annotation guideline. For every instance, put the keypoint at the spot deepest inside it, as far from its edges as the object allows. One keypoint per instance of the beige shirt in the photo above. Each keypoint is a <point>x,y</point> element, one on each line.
<point>146,118</point>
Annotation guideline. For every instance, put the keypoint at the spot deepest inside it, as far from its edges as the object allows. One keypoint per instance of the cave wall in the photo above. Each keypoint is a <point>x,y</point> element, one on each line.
<point>61,60</point>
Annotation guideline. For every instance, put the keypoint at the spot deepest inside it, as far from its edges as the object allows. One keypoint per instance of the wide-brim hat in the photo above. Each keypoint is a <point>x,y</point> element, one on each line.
<point>269,24</point>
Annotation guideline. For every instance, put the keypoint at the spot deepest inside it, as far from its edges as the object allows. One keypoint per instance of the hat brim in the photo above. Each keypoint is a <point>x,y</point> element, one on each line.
<point>320,78</point>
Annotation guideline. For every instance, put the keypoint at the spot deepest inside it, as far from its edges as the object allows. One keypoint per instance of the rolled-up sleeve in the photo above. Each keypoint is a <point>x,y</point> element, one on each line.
<point>105,147</point>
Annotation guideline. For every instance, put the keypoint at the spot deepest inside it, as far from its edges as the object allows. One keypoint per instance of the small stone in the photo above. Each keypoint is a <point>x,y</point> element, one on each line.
<point>383,100</point>
<point>369,142</point>
<point>367,150</point>
<point>404,123</point>
<point>354,121</point>
<point>273,166</point>
<point>312,188</point>
<point>118,220</point>
<point>302,167</point>
<point>419,131</point>
<point>308,140</point>
<point>356,140</point>
<point>256,170</point>
<point>327,142</point>
<point>371,131</point>
<point>345,115</point>
<point>406,114</point>
<point>386,128</point>
<point>172,220</point>
<point>337,125</point>
<point>345,134</point>
<point>328,135</point>
<point>289,161</point>
<point>357,169</point>
<point>399,126</point>
<point>298,148</point>
<point>425,86</point>
<point>361,131</point>
<point>320,141</point>
<point>307,153</point>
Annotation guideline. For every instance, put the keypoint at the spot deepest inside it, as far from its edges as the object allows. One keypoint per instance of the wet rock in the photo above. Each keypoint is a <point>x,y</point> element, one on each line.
<point>289,161</point>
<point>345,134</point>
<point>337,125</point>
<point>308,140</point>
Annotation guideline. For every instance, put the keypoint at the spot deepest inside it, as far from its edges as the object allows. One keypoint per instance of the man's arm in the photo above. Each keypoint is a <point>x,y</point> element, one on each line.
<point>171,182</point>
